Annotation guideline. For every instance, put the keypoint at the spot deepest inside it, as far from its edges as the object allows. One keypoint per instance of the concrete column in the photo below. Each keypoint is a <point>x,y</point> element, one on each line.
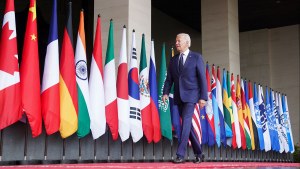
<point>220,33</point>
<point>135,14</point>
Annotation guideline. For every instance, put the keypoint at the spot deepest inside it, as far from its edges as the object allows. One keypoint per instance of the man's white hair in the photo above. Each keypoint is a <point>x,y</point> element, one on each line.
<point>186,37</point>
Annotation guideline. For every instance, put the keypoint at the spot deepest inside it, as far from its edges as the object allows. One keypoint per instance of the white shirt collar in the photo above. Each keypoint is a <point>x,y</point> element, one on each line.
<point>186,53</point>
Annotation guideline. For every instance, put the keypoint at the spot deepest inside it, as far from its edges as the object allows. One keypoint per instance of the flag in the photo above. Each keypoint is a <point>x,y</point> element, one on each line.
<point>240,112</point>
<point>257,118</point>
<point>236,133</point>
<point>97,98</point>
<point>122,91</point>
<point>196,126</point>
<point>111,107</point>
<point>50,84</point>
<point>164,108</point>
<point>227,109</point>
<point>220,108</point>
<point>283,122</point>
<point>135,117</point>
<point>263,119</point>
<point>275,122</point>
<point>30,74</point>
<point>248,116</point>
<point>270,113</point>
<point>145,94</point>
<point>10,91</point>
<point>215,106</point>
<point>154,97</point>
<point>67,82</point>
<point>281,128</point>
<point>252,116</point>
<point>209,111</point>
<point>288,124</point>
<point>82,81</point>
<point>175,117</point>
<point>245,116</point>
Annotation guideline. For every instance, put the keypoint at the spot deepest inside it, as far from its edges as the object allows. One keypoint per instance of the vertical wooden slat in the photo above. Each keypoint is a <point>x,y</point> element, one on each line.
<point>71,147</point>
<point>158,151</point>
<point>127,150</point>
<point>114,149</point>
<point>101,149</point>
<point>138,151</point>
<point>148,150</point>
<point>35,146</point>
<point>166,149</point>
<point>13,142</point>
<point>54,147</point>
<point>87,148</point>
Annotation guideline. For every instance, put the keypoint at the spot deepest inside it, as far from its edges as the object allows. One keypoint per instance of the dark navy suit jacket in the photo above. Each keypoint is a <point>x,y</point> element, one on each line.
<point>189,85</point>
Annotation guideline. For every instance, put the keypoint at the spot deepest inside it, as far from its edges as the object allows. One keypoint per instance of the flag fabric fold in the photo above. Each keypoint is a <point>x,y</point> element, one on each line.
<point>227,109</point>
<point>67,82</point>
<point>30,74</point>
<point>135,117</point>
<point>50,84</point>
<point>252,117</point>
<point>288,124</point>
<point>111,107</point>
<point>240,112</point>
<point>164,108</point>
<point>220,108</point>
<point>154,97</point>
<point>145,94</point>
<point>122,91</point>
<point>96,87</point>
<point>82,81</point>
<point>236,131</point>
<point>10,89</point>
<point>209,111</point>
<point>215,107</point>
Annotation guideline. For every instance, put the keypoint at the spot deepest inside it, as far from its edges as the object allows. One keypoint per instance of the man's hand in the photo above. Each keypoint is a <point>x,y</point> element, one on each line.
<point>165,98</point>
<point>202,103</point>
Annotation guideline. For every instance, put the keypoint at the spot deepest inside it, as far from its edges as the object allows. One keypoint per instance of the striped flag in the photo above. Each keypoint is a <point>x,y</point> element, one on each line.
<point>30,74</point>
<point>253,116</point>
<point>122,91</point>
<point>220,108</point>
<point>50,84</point>
<point>236,133</point>
<point>263,119</point>
<point>67,82</point>
<point>145,94</point>
<point>240,112</point>
<point>154,97</point>
<point>247,117</point>
<point>257,118</point>
<point>227,109</point>
<point>164,108</point>
<point>10,89</point>
<point>215,106</point>
<point>111,107</point>
<point>288,124</point>
<point>196,126</point>
<point>96,86</point>
<point>135,117</point>
<point>209,111</point>
<point>82,81</point>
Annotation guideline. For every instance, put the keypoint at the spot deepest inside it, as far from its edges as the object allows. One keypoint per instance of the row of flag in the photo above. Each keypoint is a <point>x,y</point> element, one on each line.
<point>70,101</point>
<point>244,116</point>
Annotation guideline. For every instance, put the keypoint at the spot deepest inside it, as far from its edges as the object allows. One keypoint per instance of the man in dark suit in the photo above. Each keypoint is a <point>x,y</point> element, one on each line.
<point>186,71</point>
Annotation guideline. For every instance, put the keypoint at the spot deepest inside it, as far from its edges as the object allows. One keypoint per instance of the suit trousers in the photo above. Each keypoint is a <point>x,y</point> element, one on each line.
<point>186,111</point>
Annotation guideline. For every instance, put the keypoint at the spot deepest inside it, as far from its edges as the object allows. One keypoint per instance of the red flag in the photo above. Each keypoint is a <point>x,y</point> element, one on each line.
<point>10,98</point>
<point>30,74</point>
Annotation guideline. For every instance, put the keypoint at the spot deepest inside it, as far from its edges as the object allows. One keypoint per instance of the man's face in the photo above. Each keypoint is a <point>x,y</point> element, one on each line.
<point>181,44</point>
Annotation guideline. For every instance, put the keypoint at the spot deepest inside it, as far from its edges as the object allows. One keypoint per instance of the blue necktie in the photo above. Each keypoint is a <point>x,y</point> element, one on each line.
<point>180,63</point>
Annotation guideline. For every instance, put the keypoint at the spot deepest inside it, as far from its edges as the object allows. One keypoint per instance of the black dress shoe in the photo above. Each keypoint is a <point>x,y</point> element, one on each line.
<point>178,160</point>
<point>199,159</point>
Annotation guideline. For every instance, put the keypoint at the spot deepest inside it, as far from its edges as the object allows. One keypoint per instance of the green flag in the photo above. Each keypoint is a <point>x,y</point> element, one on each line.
<point>164,108</point>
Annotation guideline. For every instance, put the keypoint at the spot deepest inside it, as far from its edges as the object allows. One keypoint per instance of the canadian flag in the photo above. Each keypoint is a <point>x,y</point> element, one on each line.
<point>10,91</point>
